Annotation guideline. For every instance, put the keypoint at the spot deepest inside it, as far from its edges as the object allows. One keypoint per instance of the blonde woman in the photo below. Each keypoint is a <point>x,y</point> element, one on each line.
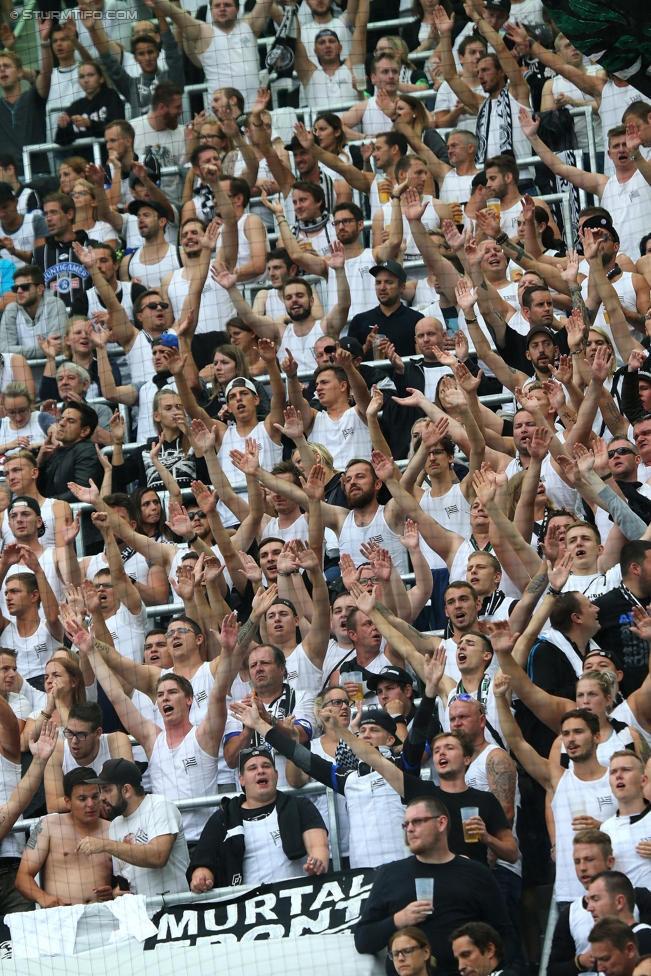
<point>20,427</point>
<point>83,194</point>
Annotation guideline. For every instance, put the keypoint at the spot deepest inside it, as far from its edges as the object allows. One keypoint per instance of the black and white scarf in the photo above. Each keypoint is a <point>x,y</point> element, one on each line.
<point>501,106</point>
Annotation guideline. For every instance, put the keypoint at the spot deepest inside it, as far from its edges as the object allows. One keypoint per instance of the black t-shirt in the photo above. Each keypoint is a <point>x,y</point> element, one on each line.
<point>399,327</point>
<point>464,891</point>
<point>490,812</point>
<point>616,617</point>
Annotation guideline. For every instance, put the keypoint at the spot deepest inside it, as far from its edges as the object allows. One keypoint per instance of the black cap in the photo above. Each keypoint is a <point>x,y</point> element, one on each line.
<point>539,32</point>
<point>504,5</point>
<point>536,330</point>
<point>392,267</point>
<point>390,673</point>
<point>136,206</point>
<point>353,346</point>
<point>247,754</point>
<point>598,222</point>
<point>610,655</point>
<point>7,192</point>
<point>378,716</point>
<point>479,179</point>
<point>22,501</point>
<point>294,144</point>
<point>119,772</point>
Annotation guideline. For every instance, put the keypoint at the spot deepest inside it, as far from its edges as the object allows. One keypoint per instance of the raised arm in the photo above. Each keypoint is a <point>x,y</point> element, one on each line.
<point>461,88</point>
<point>591,182</point>
<point>125,590</point>
<point>536,765</point>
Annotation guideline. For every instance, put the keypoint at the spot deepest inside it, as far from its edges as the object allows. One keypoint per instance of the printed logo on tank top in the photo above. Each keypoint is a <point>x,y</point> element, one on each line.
<point>141,837</point>
<point>275,836</point>
<point>451,510</point>
<point>377,538</point>
<point>363,270</point>
<point>40,649</point>
<point>605,802</point>
<point>189,762</point>
<point>377,784</point>
<point>200,697</point>
<point>348,432</point>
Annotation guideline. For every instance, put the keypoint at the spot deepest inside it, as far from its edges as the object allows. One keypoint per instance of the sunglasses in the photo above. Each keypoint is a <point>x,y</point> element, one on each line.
<point>17,288</point>
<point>195,515</point>
<point>621,451</point>
<point>152,306</point>
<point>177,633</point>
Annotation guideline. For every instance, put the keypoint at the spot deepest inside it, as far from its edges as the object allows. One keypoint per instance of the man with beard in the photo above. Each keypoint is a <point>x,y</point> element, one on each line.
<point>299,334</point>
<point>479,950</point>
<point>36,311</point>
<point>155,258</point>
<point>87,301</point>
<point>145,839</point>
<point>158,134</point>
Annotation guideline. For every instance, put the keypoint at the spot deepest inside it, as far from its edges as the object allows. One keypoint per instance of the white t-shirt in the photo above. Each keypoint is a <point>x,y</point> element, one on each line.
<point>264,857</point>
<point>128,632</point>
<point>155,817</point>
<point>626,832</point>
<point>168,146</point>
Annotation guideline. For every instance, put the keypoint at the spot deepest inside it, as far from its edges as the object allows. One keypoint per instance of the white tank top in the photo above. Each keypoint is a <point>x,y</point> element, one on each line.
<point>269,453</point>
<point>274,306</point>
<point>374,195</point>
<point>581,924</point>
<point>345,438</point>
<point>215,308</point>
<point>13,845</point>
<point>430,221</point>
<point>302,347</point>
<point>32,429</point>
<point>477,779</point>
<point>231,61</point>
<point>126,301</point>
<point>375,815</point>
<point>374,120</point>
<point>352,536</point>
<point>48,539</point>
<point>599,803</point>
<point>33,652</point>
<point>615,742</point>
<point>134,239</point>
<point>628,299</point>
<point>323,89</point>
<point>614,102</point>
<point>46,561</point>
<point>321,803</point>
<point>103,755</point>
<point>509,219</point>
<point>139,356</point>
<point>361,284</point>
<point>146,426</point>
<point>264,856</point>
<point>624,713</point>
<point>629,204</point>
<point>451,510</point>
<point>183,773</point>
<point>135,567</point>
<point>152,274</point>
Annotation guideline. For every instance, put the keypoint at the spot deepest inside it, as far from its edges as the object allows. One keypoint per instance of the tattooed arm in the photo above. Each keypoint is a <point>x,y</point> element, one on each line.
<point>502,778</point>
<point>526,606</point>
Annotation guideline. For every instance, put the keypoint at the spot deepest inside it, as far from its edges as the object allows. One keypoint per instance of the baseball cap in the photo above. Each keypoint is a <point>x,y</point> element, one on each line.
<point>240,381</point>
<point>598,222</point>
<point>7,192</point>
<point>136,206</point>
<point>392,267</point>
<point>390,673</point>
<point>536,330</point>
<point>504,5</point>
<point>169,339</point>
<point>247,754</point>
<point>610,655</point>
<point>353,346</point>
<point>24,501</point>
<point>294,144</point>
<point>479,179</point>
<point>378,716</point>
<point>327,32</point>
<point>120,772</point>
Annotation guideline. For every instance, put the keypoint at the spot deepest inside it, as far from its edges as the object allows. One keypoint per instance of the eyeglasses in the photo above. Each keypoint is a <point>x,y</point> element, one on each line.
<point>80,736</point>
<point>369,579</point>
<point>195,515</point>
<point>152,306</point>
<point>417,822</point>
<point>207,138</point>
<point>406,952</point>
<point>621,451</point>
<point>177,633</point>
<point>18,411</point>
<point>103,586</point>
<point>17,288</point>
<point>344,220</point>
<point>80,193</point>
<point>338,702</point>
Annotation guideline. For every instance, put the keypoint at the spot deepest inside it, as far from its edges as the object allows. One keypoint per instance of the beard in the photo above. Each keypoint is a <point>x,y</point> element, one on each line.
<point>114,810</point>
<point>362,500</point>
<point>300,316</point>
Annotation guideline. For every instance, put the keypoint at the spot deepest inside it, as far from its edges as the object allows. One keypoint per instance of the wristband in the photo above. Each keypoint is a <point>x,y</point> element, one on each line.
<point>502,238</point>
<point>554,592</point>
<point>394,197</point>
<point>469,320</point>
<point>293,573</point>
<point>607,476</point>
<point>193,539</point>
<point>45,715</point>
<point>260,126</point>
<point>577,352</point>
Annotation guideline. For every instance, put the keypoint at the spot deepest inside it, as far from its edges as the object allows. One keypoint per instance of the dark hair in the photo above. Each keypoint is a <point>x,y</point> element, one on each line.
<point>435,806</point>
<point>279,656</point>
<point>77,777</point>
<point>471,39</point>
<point>411,932</point>
<point>288,467</point>
<point>351,207</point>
<point>182,682</point>
<point>164,92</point>
<point>589,718</point>
<point>505,164</point>
<point>395,139</point>
<point>335,123</point>
<point>460,585</point>
<point>613,930</point>
<point>87,416</point>
<point>192,624</point>
<point>281,254</point>
<point>89,712</point>
<point>404,165</point>
<point>564,606</point>
<point>482,935</point>
<point>464,740</point>
<point>144,295</point>
<point>633,552</point>
<point>497,64</point>
<point>161,527</point>
<point>617,883</point>
<point>6,159</point>
<point>118,499</point>
<point>639,109</point>
<point>195,157</point>
<point>529,292</point>
<point>309,186</point>
<point>31,271</point>
<point>643,242</point>
<point>239,187</point>
<point>100,245</point>
<point>125,128</point>
<point>295,280</point>
<point>145,39</point>
<point>64,200</point>
<point>339,371</point>
<point>229,93</point>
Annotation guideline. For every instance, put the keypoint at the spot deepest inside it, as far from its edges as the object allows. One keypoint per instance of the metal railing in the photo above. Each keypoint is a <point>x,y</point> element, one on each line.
<point>52,147</point>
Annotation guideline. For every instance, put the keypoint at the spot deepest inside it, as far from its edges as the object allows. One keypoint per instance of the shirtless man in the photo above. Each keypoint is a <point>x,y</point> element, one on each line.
<point>68,878</point>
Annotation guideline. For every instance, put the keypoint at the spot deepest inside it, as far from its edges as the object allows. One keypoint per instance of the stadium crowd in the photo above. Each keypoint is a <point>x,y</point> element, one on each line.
<point>326,458</point>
